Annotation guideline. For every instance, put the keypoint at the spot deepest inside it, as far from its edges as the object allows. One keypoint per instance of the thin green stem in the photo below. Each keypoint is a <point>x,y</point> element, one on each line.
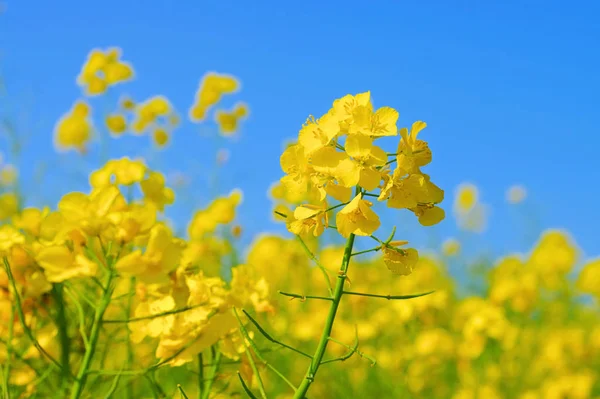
<point>305,297</point>
<point>366,251</point>
<point>258,353</point>
<point>245,387</point>
<point>261,386</point>
<point>359,353</point>
<point>21,315</point>
<point>154,316</point>
<point>318,263</point>
<point>322,346</point>
<point>270,338</point>
<point>80,380</point>
<point>351,351</point>
<point>130,353</point>
<point>182,392</point>
<point>388,297</point>
<point>63,329</point>
<point>200,375</point>
<point>216,359</point>
<point>81,316</point>
<point>11,328</point>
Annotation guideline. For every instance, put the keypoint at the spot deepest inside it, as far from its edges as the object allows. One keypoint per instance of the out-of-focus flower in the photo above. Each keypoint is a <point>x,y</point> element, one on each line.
<point>74,129</point>
<point>103,69</point>
<point>516,194</point>
<point>451,247</point>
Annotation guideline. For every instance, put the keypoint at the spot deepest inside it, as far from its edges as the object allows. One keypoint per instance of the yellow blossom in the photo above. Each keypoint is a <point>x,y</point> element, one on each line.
<point>9,205</point>
<point>116,124</point>
<point>451,247</point>
<point>74,129</point>
<point>160,137</point>
<point>212,88</point>
<point>357,218</point>
<point>228,121</point>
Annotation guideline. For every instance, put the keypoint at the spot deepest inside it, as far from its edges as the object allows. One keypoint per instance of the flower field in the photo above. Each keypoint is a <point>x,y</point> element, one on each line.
<point>104,296</point>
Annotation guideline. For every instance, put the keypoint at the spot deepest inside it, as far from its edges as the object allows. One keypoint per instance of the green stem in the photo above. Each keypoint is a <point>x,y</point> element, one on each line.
<point>63,331</point>
<point>304,297</point>
<point>200,376</point>
<point>130,354</point>
<point>11,328</point>
<point>216,360</point>
<point>322,346</point>
<point>81,378</point>
<point>21,315</point>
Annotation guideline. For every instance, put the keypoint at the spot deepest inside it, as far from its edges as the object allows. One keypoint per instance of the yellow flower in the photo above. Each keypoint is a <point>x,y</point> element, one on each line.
<point>9,237</point>
<point>295,164</point>
<point>467,196</point>
<point>307,218</point>
<point>8,175</point>
<point>135,221</point>
<point>155,191</point>
<point>429,215</point>
<point>212,88</point>
<point>89,213</point>
<point>346,107</point>
<point>103,69</point>
<point>116,124</point>
<point>228,120</point>
<point>60,264</point>
<point>9,205</point>
<point>589,278</point>
<point>357,218</point>
<point>220,211</point>
<point>162,255</point>
<point>30,220</point>
<point>127,103</point>
<point>409,191</point>
<point>451,247</point>
<point>362,168</point>
<point>554,254</point>
<point>161,137</point>
<point>74,129</point>
<point>412,153</point>
<point>374,124</point>
<point>516,194</point>
<point>316,134</point>
<point>149,112</point>
<point>124,171</point>
<point>400,261</point>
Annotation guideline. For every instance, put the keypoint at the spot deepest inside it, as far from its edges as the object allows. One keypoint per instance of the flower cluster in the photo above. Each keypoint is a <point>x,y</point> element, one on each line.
<point>337,153</point>
<point>102,70</point>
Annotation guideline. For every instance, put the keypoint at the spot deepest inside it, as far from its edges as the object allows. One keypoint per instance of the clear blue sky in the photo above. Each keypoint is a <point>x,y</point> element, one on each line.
<point>509,89</point>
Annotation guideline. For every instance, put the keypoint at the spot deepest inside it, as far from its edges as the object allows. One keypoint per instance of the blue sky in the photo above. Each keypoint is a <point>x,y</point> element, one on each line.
<point>509,91</point>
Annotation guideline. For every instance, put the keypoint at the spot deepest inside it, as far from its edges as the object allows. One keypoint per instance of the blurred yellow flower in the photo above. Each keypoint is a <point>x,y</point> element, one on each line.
<point>9,205</point>
<point>160,137</point>
<point>516,194</point>
<point>588,280</point>
<point>451,247</point>
<point>466,197</point>
<point>228,121</point>
<point>212,88</point>
<point>116,124</point>
<point>8,175</point>
<point>220,211</point>
<point>103,69</point>
<point>74,129</point>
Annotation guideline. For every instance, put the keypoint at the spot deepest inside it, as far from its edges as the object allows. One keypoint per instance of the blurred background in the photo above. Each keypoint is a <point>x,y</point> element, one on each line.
<point>508,90</point>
